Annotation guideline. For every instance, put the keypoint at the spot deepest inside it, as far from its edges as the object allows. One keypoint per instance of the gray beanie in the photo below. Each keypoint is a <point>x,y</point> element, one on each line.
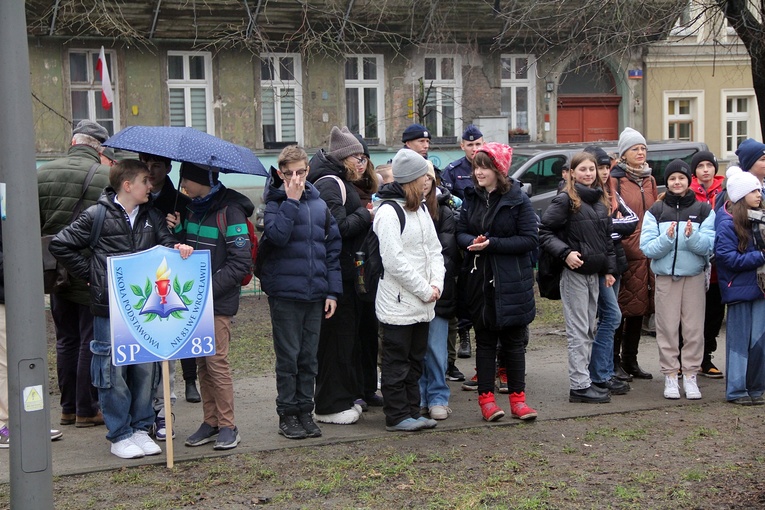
<point>629,138</point>
<point>342,143</point>
<point>92,129</point>
<point>408,166</point>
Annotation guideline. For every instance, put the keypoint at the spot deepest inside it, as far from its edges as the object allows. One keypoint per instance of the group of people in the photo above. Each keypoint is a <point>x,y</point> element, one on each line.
<point>458,250</point>
<point>439,253</point>
<point>627,251</point>
<point>137,207</point>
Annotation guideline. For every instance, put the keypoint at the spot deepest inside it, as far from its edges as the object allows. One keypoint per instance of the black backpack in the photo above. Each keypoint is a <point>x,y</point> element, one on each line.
<point>369,267</point>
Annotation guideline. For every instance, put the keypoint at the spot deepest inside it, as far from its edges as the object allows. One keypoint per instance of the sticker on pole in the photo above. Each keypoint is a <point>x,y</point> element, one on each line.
<point>160,306</point>
<point>33,399</point>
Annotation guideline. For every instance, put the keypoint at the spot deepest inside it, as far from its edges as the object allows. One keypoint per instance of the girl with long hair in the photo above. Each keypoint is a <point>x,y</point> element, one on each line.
<point>576,228</point>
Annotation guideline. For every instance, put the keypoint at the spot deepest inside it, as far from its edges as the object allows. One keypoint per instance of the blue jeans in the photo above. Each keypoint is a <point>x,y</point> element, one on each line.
<point>296,327</point>
<point>745,350</point>
<point>124,392</point>
<point>609,318</point>
<point>433,388</point>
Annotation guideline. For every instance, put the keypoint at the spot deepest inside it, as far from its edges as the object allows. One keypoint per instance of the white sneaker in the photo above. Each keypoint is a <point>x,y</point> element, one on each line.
<point>690,387</point>
<point>671,389</point>
<point>127,449</point>
<point>439,412</point>
<point>342,418</point>
<point>143,441</point>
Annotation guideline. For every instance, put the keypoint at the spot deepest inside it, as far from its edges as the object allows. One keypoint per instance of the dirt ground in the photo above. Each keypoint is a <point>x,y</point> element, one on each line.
<point>702,456</point>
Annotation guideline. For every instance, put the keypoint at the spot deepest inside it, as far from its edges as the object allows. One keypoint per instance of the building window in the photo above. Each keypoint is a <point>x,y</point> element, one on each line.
<point>365,95</point>
<point>740,119</point>
<point>443,95</point>
<point>85,85</point>
<point>683,115</point>
<point>189,83</point>
<point>518,91</point>
<point>281,98</point>
<point>680,119</point>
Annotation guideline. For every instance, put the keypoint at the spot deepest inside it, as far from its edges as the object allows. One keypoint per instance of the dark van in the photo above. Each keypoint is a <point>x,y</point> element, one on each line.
<point>538,167</point>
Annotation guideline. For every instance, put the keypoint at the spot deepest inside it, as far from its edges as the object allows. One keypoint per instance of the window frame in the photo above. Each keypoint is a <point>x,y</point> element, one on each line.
<point>187,84</point>
<point>360,84</point>
<point>753,126</point>
<point>438,85</point>
<point>93,86</point>
<point>529,82</point>
<point>696,98</point>
<point>279,85</point>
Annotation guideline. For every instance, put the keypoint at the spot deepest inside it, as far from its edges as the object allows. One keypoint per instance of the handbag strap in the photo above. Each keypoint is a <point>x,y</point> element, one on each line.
<point>78,208</point>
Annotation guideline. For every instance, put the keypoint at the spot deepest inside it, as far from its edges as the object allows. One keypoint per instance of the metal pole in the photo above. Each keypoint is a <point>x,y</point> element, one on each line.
<point>29,405</point>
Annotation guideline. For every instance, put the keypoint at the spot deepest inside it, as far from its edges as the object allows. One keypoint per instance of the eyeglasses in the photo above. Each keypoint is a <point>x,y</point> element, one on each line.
<point>288,175</point>
<point>361,160</point>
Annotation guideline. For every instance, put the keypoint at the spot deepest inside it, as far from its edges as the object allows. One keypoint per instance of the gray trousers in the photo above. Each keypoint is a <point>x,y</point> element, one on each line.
<point>579,293</point>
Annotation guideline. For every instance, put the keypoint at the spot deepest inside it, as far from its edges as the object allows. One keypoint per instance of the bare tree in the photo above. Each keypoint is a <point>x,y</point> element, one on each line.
<point>746,18</point>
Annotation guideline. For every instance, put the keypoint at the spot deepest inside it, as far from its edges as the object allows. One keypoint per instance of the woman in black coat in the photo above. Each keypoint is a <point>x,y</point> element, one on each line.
<point>498,230</point>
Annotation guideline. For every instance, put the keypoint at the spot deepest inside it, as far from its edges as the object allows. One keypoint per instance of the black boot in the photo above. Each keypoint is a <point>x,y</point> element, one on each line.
<point>464,351</point>
<point>614,386</point>
<point>589,395</point>
<point>630,342</point>
<point>192,394</point>
<point>620,374</point>
<point>632,368</point>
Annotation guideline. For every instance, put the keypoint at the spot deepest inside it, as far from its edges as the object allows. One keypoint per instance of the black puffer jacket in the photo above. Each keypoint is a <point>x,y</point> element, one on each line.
<point>117,238</point>
<point>498,282</point>
<point>446,228</point>
<point>625,221</point>
<point>587,231</point>
<point>352,218</point>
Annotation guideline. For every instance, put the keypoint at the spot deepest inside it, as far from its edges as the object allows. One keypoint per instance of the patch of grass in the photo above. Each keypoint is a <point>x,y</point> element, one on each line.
<point>645,477</point>
<point>700,433</point>
<point>569,450</point>
<point>624,435</point>
<point>694,475</point>
<point>252,349</point>
<point>627,494</point>
<point>549,312</point>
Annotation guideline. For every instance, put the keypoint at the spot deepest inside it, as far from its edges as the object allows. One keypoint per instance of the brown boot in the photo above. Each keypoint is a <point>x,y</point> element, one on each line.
<point>67,419</point>
<point>89,421</point>
<point>518,407</point>
<point>489,408</point>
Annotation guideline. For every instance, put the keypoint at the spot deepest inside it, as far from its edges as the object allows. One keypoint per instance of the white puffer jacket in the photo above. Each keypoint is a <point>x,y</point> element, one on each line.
<point>412,263</point>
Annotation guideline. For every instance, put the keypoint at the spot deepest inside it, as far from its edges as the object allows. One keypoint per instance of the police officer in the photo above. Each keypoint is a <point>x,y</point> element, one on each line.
<point>457,176</point>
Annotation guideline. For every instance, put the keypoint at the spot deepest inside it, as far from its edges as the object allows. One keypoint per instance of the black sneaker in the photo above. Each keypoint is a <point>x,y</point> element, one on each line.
<point>227,438</point>
<point>205,434</point>
<point>453,373</point>
<point>306,420</point>
<point>291,427</point>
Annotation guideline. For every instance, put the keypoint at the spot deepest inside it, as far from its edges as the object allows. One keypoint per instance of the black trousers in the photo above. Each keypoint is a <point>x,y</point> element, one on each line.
<point>507,346</point>
<point>367,373</point>
<point>338,354</point>
<point>74,331</point>
<point>403,351</point>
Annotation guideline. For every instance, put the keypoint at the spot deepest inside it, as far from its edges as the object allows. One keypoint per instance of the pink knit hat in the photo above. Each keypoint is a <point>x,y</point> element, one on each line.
<point>500,154</point>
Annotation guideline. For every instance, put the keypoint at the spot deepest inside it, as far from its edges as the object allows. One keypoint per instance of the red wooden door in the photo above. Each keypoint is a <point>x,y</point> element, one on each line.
<point>588,118</point>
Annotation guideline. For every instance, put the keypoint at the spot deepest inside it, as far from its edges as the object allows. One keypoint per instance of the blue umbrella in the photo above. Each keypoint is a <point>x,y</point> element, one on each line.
<point>188,144</point>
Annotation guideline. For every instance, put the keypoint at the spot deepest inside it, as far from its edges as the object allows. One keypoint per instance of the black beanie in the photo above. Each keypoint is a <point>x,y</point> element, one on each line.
<point>198,174</point>
<point>703,156</point>
<point>677,166</point>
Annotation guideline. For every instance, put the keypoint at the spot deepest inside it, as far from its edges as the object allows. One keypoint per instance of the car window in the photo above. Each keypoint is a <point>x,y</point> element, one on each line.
<point>658,160</point>
<point>518,161</point>
<point>544,175</point>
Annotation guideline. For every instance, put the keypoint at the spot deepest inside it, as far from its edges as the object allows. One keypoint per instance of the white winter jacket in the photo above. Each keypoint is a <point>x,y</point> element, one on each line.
<point>412,262</point>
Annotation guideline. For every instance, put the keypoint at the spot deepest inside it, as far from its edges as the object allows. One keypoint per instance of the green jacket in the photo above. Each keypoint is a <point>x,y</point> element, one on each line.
<point>59,185</point>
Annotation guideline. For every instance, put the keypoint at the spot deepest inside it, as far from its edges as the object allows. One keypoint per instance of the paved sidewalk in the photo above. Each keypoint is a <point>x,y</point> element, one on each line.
<point>86,450</point>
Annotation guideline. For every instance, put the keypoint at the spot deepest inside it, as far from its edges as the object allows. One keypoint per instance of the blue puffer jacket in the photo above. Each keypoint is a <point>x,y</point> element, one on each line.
<point>498,282</point>
<point>679,255</point>
<point>303,261</point>
<point>736,271</point>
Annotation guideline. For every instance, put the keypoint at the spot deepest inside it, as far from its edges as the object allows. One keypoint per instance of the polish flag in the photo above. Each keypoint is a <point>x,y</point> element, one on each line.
<point>107,95</point>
